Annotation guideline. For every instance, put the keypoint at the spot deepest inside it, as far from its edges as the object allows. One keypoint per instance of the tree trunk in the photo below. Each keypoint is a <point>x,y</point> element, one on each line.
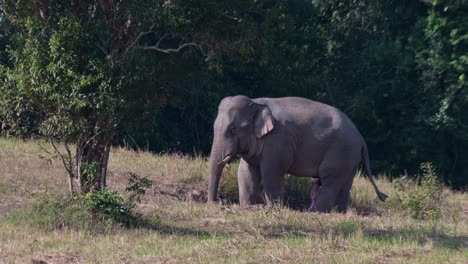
<point>91,162</point>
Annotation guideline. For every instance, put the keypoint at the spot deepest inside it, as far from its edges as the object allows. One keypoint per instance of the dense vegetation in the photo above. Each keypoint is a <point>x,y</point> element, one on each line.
<point>81,71</point>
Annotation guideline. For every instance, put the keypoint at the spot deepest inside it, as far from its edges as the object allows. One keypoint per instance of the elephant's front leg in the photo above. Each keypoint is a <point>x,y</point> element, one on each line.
<point>273,183</point>
<point>248,178</point>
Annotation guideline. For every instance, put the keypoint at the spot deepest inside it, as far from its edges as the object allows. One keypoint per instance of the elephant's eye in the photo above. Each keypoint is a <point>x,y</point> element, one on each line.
<point>232,130</point>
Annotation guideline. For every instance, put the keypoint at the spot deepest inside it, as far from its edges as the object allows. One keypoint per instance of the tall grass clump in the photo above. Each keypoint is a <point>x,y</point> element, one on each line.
<point>424,199</point>
<point>228,187</point>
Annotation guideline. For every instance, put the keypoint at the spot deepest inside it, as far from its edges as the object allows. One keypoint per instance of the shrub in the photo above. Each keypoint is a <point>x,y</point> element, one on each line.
<point>94,211</point>
<point>137,187</point>
<point>108,206</point>
<point>424,200</point>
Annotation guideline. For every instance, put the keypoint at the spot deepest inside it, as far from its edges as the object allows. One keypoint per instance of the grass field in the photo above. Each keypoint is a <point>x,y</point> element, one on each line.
<point>187,231</point>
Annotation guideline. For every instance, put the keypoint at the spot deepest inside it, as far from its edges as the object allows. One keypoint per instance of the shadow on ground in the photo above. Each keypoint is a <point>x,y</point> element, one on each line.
<point>421,236</point>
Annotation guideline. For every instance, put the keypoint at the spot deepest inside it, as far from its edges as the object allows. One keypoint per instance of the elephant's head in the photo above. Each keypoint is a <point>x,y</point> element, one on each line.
<point>237,129</point>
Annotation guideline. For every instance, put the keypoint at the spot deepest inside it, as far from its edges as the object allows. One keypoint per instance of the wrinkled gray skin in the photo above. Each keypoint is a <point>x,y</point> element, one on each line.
<point>275,136</point>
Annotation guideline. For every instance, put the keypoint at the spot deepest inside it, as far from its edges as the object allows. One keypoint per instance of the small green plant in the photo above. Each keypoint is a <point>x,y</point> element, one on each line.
<point>88,175</point>
<point>423,201</point>
<point>108,205</point>
<point>137,187</point>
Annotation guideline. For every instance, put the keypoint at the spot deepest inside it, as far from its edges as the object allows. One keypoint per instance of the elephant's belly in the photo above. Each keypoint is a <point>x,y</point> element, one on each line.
<point>304,169</point>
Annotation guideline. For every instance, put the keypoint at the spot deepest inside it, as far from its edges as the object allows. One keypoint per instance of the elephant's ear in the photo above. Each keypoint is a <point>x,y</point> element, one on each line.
<point>263,120</point>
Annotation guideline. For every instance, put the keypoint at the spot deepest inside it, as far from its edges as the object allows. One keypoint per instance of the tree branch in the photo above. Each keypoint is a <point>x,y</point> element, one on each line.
<point>64,160</point>
<point>137,38</point>
<point>157,46</point>
<point>172,50</point>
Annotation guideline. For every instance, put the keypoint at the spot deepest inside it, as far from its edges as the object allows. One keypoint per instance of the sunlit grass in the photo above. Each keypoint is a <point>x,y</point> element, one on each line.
<point>192,232</point>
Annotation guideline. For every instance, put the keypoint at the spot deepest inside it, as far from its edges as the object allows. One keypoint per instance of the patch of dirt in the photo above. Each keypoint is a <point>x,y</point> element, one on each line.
<point>162,188</point>
<point>7,203</point>
<point>401,255</point>
<point>174,192</point>
<point>56,258</point>
<point>196,195</point>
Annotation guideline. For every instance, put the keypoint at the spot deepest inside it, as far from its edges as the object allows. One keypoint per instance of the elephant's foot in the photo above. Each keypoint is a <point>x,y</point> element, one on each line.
<point>313,195</point>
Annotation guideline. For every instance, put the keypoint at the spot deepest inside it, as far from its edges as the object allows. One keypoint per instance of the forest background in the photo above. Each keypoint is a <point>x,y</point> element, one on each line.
<point>149,74</point>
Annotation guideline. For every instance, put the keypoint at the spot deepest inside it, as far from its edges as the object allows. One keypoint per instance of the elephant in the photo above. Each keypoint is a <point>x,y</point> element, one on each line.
<point>275,136</point>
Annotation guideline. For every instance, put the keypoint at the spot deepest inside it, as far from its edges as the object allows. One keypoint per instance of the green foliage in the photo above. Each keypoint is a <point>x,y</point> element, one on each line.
<point>137,187</point>
<point>88,175</point>
<point>108,206</point>
<point>423,201</point>
<point>71,82</point>
<point>442,60</point>
<point>80,73</point>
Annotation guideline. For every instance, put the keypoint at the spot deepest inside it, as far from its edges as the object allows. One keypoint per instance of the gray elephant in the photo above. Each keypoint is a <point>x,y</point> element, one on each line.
<point>275,136</point>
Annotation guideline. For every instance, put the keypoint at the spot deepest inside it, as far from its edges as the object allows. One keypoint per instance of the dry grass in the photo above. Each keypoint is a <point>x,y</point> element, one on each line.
<point>192,232</point>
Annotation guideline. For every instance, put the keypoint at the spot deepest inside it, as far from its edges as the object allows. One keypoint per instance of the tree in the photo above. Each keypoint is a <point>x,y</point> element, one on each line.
<point>442,59</point>
<point>73,64</point>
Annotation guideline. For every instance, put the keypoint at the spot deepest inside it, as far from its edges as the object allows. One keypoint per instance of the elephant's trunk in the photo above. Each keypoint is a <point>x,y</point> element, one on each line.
<point>217,162</point>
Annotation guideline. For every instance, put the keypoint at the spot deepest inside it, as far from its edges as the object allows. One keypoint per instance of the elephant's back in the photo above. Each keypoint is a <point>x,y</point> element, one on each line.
<point>303,111</point>
<point>322,120</point>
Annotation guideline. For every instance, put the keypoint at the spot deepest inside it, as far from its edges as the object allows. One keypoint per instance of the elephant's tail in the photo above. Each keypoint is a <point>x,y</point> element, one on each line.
<point>366,164</point>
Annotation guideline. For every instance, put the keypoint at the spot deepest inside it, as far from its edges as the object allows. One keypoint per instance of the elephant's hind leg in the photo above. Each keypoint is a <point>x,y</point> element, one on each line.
<point>343,198</point>
<point>326,195</point>
<point>336,180</point>
<point>248,178</point>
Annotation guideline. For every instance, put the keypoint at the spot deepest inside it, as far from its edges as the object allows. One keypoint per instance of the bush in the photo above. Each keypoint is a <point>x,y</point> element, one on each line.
<point>424,200</point>
<point>95,211</point>
<point>108,206</point>
<point>137,187</point>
